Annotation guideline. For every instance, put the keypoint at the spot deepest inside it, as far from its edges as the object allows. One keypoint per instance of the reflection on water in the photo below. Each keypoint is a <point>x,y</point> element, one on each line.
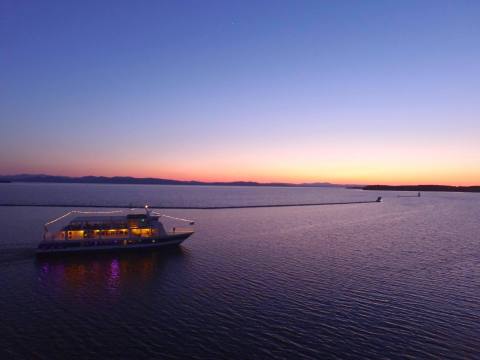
<point>390,280</point>
<point>108,272</point>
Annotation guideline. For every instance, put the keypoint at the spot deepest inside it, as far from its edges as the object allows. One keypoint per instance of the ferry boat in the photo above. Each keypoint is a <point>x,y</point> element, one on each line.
<point>109,232</point>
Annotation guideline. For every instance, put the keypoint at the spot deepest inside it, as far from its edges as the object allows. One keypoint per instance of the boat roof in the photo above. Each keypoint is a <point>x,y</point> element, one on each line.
<point>109,218</point>
<point>98,218</point>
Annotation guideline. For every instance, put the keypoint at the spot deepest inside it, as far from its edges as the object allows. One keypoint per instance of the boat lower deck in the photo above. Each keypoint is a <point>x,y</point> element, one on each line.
<point>62,246</point>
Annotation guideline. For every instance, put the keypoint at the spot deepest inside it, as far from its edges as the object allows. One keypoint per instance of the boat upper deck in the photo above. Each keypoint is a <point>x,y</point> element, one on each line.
<point>113,227</point>
<point>111,222</point>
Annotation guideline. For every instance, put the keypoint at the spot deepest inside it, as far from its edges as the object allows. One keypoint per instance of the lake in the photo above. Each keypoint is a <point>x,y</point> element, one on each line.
<point>396,279</point>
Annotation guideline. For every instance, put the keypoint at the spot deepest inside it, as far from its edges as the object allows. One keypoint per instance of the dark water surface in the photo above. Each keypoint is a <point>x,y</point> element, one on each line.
<point>397,279</point>
<point>171,195</point>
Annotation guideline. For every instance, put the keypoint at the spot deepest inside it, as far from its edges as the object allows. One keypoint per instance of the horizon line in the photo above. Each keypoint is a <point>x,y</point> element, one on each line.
<point>203,182</point>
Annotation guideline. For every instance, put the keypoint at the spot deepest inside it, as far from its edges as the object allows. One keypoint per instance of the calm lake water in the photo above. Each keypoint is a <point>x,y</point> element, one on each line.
<point>396,279</point>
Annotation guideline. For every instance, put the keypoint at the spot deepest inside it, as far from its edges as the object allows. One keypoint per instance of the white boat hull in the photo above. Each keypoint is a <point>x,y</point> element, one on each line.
<point>51,247</point>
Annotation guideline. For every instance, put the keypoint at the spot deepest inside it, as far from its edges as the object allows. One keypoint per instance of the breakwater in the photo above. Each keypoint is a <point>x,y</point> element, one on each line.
<point>378,200</point>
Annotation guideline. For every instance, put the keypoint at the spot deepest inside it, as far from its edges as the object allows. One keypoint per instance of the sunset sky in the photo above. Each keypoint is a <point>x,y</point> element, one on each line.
<point>300,91</point>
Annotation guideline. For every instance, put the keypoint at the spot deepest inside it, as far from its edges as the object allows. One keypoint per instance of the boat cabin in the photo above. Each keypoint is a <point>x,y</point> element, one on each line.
<point>108,227</point>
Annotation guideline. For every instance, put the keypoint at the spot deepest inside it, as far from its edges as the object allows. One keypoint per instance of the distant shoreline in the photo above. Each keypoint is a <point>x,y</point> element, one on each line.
<point>443,188</point>
<point>126,180</point>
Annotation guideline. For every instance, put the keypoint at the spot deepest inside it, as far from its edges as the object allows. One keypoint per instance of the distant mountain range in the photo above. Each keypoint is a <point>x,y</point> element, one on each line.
<point>41,178</point>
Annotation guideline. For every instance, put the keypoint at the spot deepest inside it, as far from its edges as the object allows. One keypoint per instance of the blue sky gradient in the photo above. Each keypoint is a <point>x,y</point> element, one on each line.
<point>349,91</point>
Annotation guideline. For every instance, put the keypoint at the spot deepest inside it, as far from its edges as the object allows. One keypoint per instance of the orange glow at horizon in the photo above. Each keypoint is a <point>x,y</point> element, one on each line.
<point>370,161</point>
<point>382,173</point>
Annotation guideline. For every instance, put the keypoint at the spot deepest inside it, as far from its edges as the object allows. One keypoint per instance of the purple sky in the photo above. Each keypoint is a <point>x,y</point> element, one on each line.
<point>343,91</point>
